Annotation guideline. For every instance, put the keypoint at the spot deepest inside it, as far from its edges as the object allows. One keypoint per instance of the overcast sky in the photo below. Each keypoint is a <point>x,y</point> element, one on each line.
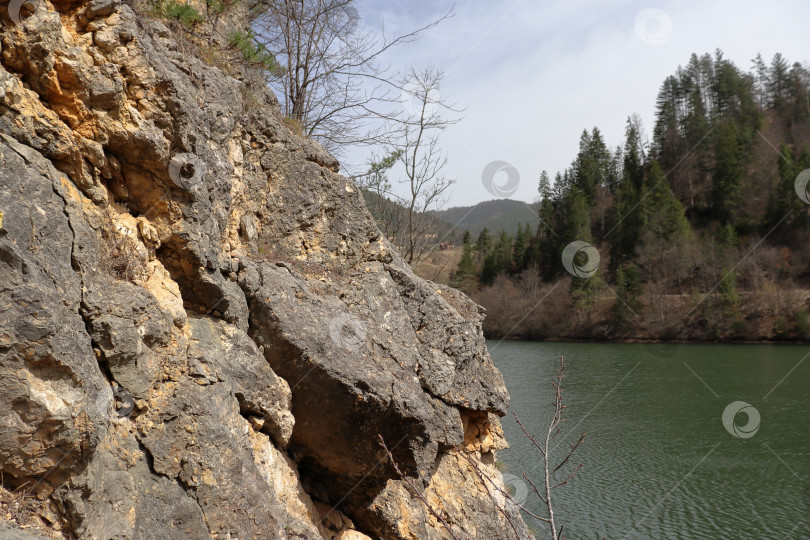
<point>532,74</point>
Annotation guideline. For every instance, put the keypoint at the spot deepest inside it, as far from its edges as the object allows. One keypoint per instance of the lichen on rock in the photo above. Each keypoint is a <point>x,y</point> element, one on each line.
<point>165,240</point>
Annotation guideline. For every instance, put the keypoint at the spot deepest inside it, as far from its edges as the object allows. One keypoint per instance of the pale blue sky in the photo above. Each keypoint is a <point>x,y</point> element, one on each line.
<point>533,74</point>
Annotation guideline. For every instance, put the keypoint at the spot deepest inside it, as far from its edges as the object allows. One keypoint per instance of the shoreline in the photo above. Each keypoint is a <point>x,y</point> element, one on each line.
<point>653,341</point>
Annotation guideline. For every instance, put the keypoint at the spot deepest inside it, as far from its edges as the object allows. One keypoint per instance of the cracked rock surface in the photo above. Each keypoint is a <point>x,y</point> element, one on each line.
<point>167,243</point>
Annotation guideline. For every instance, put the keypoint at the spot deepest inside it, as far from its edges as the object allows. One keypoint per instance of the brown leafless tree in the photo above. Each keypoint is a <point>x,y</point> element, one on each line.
<point>423,161</point>
<point>334,85</point>
<point>415,156</point>
<point>546,448</point>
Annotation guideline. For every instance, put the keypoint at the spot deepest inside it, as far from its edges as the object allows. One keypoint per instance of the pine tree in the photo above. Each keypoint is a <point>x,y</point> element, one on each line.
<point>628,211</point>
<point>728,169</point>
<point>519,248</point>
<point>628,295</point>
<point>778,82</point>
<point>760,70</point>
<point>484,243</point>
<point>666,215</point>
<point>466,266</point>
<point>544,187</point>
<point>784,200</point>
<point>799,93</point>
<point>667,138</point>
<point>503,251</point>
<point>592,165</point>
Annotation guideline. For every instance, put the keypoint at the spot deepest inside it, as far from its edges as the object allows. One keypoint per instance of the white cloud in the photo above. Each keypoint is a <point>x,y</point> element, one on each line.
<point>533,74</point>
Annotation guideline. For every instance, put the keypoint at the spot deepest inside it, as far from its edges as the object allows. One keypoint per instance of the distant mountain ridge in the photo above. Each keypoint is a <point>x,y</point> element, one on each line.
<point>496,215</point>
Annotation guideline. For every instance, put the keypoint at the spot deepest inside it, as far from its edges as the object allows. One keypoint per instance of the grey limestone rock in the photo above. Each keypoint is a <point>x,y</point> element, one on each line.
<point>166,237</point>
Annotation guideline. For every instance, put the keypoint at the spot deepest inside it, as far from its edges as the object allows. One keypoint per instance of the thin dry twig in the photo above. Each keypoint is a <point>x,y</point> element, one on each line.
<point>544,447</point>
<point>416,491</point>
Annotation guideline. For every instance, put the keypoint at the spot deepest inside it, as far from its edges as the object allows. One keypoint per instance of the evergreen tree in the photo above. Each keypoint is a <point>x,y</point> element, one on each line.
<point>503,251</point>
<point>666,215</point>
<point>760,70</point>
<point>545,242</point>
<point>498,260</point>
<point>591,167</point>
<point>628,211</point>
<point>628,295</point>
<point>484,243</point>
<point>785,200</point>
<point>798,94</point>
<point>667,139</point>
<point>465,271</point>
<point>559,188</point>
<point>728,169</point>
<point>544,187</point>
<point>778,82</point>
<point>520,248</point>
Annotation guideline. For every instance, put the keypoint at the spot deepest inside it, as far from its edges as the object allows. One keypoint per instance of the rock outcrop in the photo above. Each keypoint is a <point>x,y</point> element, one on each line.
<point>203,334</point>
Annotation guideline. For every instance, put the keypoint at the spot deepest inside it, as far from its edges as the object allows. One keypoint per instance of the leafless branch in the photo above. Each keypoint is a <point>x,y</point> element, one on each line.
<point>545,450</point>
<point>416,491</point>
<point>333,84</point>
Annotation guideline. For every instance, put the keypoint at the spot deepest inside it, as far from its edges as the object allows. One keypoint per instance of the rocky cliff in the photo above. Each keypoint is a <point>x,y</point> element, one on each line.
<point>202,332</point>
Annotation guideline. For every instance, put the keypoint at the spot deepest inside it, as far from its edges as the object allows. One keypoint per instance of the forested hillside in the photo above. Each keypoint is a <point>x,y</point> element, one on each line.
<point>495,215</point>
<point>698,228</point>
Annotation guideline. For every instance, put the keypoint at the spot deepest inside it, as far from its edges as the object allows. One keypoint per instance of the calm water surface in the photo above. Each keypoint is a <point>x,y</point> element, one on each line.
<point>658,461</point>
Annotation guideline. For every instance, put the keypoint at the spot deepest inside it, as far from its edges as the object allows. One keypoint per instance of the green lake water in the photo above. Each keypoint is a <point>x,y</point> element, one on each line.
<point>658,460</point>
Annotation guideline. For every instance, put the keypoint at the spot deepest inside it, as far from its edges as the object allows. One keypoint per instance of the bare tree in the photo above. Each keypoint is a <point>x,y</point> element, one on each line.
<point>418,160</point>
<point>546,448</point>
<point>334,86</point>
<point>423,161</point>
